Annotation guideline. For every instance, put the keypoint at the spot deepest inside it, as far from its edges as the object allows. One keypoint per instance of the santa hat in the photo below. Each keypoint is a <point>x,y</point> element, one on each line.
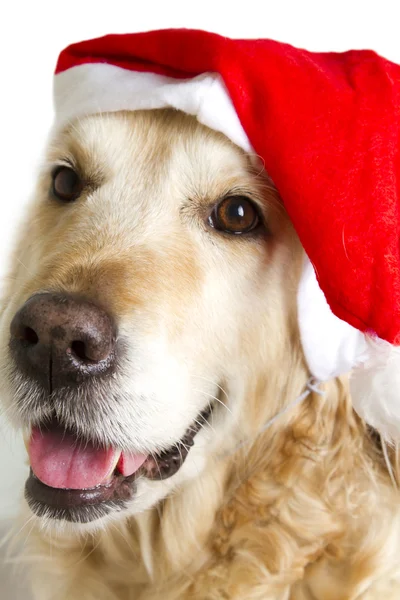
<point>326,126</point>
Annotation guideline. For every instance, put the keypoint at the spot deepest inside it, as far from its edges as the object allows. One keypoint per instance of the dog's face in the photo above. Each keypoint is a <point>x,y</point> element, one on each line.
<point>154,278</point>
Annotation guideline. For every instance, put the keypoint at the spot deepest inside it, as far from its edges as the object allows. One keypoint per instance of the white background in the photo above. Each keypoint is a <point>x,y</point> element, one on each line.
<point>33,32</point>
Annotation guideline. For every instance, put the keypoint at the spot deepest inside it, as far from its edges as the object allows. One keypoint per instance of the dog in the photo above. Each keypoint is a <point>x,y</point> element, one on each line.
<point>151,355</point>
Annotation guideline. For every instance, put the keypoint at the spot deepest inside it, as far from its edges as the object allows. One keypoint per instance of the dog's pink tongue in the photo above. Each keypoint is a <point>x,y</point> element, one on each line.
<point>128,464</point>
<point>60,462</point>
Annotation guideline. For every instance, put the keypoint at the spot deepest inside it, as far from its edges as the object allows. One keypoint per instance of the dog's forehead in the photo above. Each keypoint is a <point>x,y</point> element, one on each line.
<point>156,149</point>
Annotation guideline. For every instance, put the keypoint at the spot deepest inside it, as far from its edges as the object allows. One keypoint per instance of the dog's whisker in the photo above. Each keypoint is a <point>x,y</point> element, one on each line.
<point>5,412</point>
<point>83,547</point>
<point>214,383</point>
<point>205,424</point>
<point>84,557</point>
<point>124,536</point>
<point>25,267</point>
<point>13,536</point>
<point>178,445</point>
<point>154,457</point>
<point>214,398</point>
<point>30,532</point>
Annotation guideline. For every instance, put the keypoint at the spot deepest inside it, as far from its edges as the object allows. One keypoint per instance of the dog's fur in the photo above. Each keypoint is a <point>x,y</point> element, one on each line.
<point>303,511</point>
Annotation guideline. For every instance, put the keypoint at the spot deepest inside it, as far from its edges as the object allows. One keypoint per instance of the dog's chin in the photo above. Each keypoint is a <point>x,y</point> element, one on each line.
<point>118,493</point>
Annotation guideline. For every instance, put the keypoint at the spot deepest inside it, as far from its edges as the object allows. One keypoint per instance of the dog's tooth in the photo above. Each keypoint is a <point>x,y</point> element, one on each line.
<point>26,438</point>
<point>114,466</point>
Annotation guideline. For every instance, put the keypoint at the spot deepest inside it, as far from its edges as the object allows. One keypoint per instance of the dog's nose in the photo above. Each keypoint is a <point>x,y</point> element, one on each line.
<point>59,339</point>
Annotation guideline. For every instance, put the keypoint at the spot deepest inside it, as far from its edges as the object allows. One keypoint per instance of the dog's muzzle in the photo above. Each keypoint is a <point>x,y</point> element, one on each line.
<point>67,347</point>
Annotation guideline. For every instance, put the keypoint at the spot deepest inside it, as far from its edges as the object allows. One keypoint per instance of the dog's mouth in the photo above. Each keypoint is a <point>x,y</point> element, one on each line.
<point>80,481</point>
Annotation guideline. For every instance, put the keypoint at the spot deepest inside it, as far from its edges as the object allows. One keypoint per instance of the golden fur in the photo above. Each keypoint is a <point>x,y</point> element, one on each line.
<point>305,510</point>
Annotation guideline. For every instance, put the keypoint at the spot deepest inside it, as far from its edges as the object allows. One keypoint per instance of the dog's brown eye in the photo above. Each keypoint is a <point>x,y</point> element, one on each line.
<point>67,185</point>
<point>236,214</point>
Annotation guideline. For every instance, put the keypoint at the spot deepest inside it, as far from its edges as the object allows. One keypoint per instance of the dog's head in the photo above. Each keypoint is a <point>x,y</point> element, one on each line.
<point>154,281</point>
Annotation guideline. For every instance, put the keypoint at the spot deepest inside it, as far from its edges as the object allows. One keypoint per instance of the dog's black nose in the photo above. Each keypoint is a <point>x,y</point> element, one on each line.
<point>59,339</point>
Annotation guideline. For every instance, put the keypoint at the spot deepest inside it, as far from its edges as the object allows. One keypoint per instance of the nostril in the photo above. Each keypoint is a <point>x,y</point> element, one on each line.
<point>91,350</point>
<point>28,335</point>
<point>78,348</point>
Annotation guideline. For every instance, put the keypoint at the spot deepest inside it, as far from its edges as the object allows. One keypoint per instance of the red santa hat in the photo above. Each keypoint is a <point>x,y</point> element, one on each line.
<point>327,127</point>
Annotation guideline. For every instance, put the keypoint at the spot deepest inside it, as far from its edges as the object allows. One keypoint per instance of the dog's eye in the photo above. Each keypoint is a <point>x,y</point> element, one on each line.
<point>67,184</point>
<point>235,214</point>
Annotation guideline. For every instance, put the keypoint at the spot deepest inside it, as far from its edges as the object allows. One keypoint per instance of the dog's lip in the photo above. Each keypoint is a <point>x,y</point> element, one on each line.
<point>84,505</point>
<point>118,489</point>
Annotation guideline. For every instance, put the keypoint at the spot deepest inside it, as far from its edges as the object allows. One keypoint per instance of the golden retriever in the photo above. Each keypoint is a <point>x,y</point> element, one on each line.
<point>172,243</point>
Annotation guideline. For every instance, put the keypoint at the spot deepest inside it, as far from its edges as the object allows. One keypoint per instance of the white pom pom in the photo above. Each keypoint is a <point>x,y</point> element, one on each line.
<point>375,389</point>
